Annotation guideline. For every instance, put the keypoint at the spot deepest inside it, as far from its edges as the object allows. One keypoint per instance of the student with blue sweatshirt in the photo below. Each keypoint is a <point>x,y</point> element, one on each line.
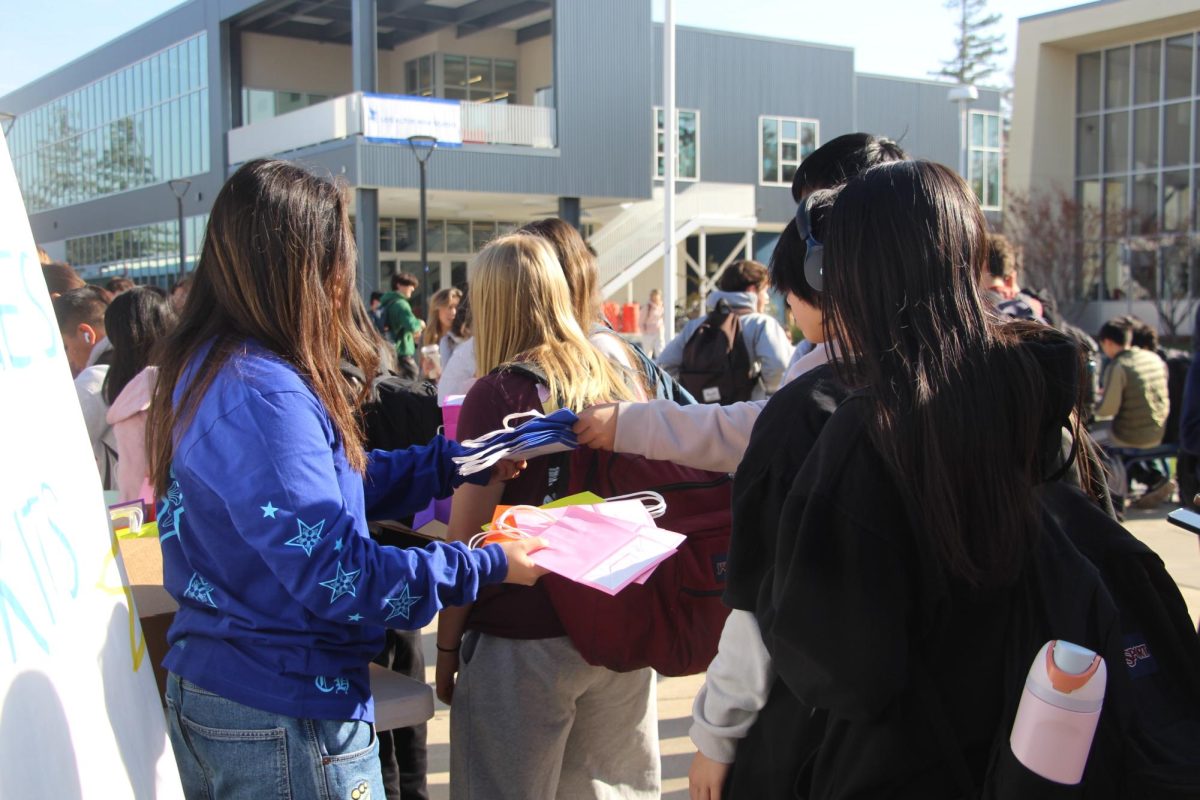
<point>265,491</point>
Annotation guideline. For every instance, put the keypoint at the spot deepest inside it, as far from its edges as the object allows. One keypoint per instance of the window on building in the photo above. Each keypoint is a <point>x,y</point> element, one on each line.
<point>260,104</point>
<point>478,80</point>
<point>148,254</point>
<point>783,143</point>
<point>984,166</point>
<point>144,124</point>
<point>1138,136</point>
<point>418,76</point>
<point>687,144</point>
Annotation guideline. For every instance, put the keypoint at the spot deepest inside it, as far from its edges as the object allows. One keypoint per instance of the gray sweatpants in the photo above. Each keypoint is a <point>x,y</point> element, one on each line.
<point>531,720</point>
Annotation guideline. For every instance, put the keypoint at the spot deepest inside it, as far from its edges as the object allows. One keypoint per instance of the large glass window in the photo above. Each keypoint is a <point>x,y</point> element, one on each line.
<point>144,124</point>
<point>1179,67</point>
<point>418,76</point>
<point>1147,75</point>
<point>687,144</point>
<point>467,78</point>
<point>260,104</point>
<point>1089,83</point>
<point>984,158</point>
<point>783,143</point>
<point>148,254</point>
<point>1116,82</point>
<point>1145,141</point>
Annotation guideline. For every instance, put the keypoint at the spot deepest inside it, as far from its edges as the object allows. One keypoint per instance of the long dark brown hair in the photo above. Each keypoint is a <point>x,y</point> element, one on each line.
<point>135,322</point>
<point>964,412</point>
<point>277,266</point>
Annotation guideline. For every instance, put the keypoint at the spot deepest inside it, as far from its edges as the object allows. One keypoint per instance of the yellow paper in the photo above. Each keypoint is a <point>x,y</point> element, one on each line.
<point>581,499</point>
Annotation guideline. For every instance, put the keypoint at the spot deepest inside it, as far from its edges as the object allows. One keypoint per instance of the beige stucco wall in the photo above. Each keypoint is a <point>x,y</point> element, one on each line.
<point>290,65</point>
<point>295,65</point>
<point>535,68</point>
<point>1041,143</point>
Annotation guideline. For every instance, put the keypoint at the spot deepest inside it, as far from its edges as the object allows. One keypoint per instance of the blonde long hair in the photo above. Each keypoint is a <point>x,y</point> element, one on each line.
<point>521,310</point>
<point>434,330</point>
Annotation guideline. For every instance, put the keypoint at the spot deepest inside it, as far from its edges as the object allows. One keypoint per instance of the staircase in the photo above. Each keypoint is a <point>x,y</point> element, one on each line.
<point>633,240</point>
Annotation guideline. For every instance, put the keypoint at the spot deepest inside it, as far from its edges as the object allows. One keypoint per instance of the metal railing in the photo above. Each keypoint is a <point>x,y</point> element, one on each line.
<point>522,126</point>
<point>636,234</point>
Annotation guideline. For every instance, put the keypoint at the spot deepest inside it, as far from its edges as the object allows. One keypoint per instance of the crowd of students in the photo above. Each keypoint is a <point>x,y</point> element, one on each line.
<point>884,503</point>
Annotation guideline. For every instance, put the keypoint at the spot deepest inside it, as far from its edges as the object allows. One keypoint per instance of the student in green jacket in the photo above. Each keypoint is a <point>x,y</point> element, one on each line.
<point>402,323</point>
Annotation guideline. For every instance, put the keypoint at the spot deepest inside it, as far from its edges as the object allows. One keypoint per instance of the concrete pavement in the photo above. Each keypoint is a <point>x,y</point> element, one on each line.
<point>1178,548</point>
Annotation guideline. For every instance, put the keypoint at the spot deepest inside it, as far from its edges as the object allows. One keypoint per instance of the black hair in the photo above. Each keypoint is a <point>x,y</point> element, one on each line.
<point>118,285</point>
<point>840,159</point>
<point>405,279</point>
<point>946,381</point>
<point>1001,259</point>
<point>1118,330</point>
<point>376,296</point>
<point>787,260</point>
<point>742,276</point>
<point>461,327</point>
<point>136,320</point>
<point>61,277</point>
<point>83,306</point>
<point>1144,335</point>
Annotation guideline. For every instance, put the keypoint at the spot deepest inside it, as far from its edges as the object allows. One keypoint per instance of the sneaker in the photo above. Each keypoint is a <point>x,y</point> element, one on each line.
<point>1156,494</point>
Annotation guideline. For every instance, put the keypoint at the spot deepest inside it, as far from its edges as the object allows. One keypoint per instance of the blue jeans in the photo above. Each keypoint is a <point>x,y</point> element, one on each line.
<point>228,751</point>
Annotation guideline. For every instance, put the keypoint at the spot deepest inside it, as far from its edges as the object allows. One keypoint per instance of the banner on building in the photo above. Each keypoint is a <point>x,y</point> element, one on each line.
<point>80,716</point>
<point>391,118</point>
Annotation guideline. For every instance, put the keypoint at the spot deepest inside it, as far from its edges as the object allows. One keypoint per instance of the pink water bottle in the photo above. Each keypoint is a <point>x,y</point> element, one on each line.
<point>1056,720</point>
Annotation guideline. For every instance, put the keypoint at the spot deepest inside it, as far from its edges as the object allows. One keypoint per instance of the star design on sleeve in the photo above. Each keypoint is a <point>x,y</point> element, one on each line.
<point>200,590</point>
<point>355,617</point>
<point>268,510</point>
<point>342,584</point>
<point>338,545</point>
<point>169,512</point>
<point>308,537</point>
<point>401,605</point>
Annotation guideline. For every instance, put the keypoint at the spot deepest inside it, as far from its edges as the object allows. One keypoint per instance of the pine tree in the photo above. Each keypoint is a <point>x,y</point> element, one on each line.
<point>976,50</point>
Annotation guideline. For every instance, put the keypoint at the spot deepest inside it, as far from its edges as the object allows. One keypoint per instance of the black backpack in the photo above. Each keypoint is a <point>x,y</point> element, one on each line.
<point>717,366</point>
<point>399,412</point>
<point>1094,584</point>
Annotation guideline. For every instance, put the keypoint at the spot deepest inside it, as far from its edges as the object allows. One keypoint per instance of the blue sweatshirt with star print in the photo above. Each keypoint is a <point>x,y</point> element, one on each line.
<point>283,597</point>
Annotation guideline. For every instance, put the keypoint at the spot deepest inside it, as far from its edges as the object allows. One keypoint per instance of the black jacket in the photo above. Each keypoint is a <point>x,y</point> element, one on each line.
<point>856,611</point>
<point>767,761</point>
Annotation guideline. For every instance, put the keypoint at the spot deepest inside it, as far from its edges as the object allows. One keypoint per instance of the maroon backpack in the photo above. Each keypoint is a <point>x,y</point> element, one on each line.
<point>673,621</point>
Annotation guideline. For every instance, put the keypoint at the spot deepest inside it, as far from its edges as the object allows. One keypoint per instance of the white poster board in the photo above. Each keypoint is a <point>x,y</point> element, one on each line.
<point>391,118</point>
<point>80,715</point>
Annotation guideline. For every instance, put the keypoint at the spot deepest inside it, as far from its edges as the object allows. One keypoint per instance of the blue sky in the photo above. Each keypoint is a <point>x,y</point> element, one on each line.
<point>893,37</point>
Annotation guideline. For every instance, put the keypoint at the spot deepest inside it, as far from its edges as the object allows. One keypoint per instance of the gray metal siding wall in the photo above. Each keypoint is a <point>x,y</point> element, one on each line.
<point>602,92</point>
<point>733,79</point>
<point>151,203</point>
<point>917,114</point>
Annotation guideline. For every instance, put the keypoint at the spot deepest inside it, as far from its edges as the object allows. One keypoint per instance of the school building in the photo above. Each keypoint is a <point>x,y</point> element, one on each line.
<point>1106,114</point>
<point>540,107</point>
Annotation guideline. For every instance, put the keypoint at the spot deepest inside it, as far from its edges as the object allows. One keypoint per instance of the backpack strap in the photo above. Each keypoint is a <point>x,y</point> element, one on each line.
<point>537,374</point>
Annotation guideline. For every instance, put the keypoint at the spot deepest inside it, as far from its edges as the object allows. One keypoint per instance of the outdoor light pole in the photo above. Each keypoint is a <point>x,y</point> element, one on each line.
<point>422,148</point>
<point>179,187</point>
